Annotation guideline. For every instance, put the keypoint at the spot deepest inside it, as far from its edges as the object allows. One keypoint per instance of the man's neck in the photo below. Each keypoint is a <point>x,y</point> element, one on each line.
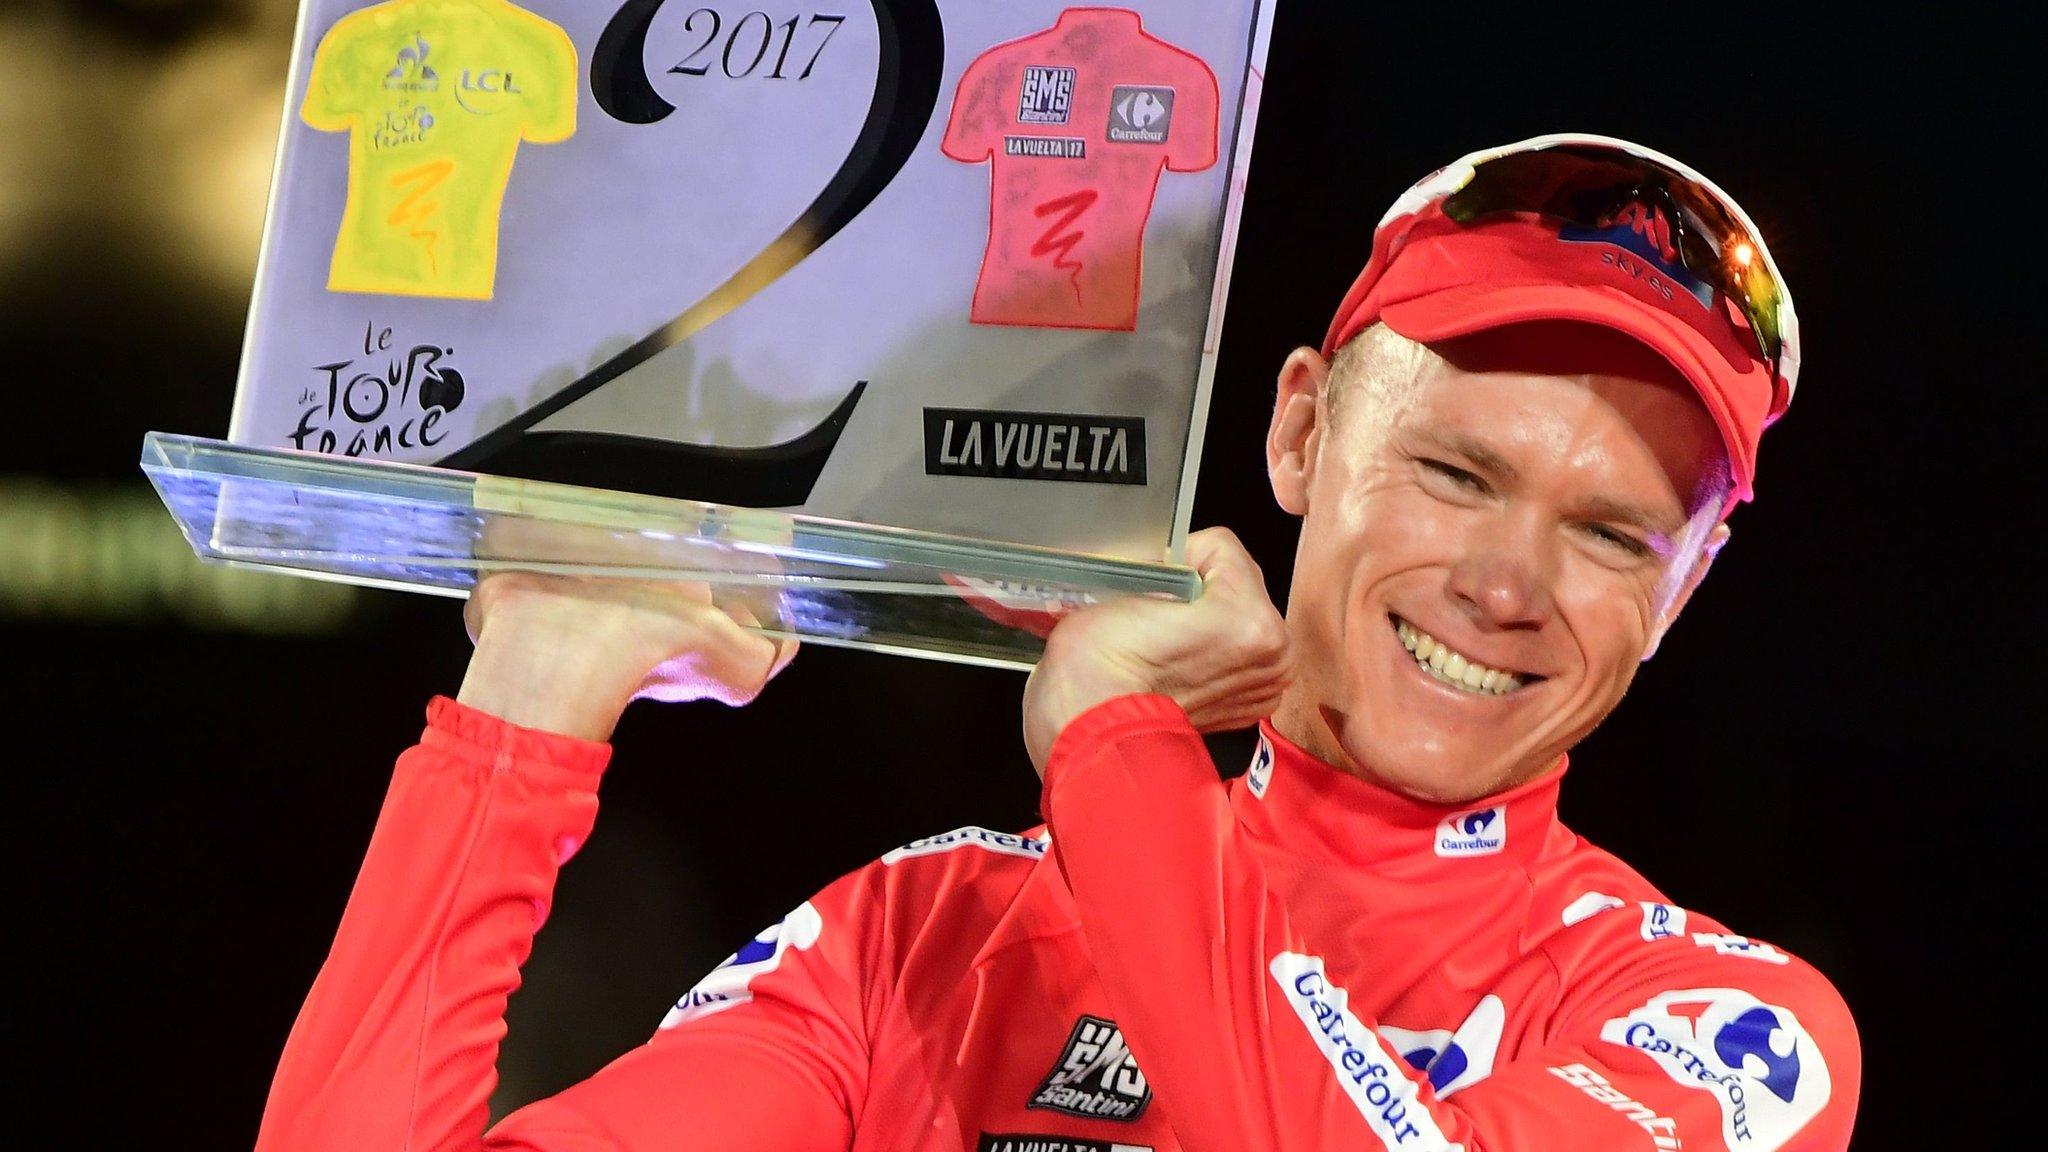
<point>1303,720</point>
<point>1315,727</point>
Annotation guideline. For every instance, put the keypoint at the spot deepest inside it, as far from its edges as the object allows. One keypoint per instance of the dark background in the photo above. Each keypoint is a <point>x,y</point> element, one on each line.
<point>1823,756</point>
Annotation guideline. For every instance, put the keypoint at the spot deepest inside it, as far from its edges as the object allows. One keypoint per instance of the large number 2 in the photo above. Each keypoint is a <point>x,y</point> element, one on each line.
<point>767,38</point>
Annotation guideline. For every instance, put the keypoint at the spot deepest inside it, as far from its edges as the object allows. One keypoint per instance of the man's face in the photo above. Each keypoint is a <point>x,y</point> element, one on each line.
<point>1489,549</point>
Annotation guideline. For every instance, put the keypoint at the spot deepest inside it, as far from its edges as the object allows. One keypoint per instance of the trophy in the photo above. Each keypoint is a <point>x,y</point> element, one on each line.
<point>893,322</point>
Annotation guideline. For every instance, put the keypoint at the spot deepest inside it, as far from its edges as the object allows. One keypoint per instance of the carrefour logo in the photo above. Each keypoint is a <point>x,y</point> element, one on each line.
<point>1481,832</point>
<point>1366,1072</point>
<point>1758,1061</point>
<point>1005,843</point>
<point>1140,114</point>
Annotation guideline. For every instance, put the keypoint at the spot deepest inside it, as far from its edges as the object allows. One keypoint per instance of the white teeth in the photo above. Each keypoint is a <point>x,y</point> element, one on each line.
<point>1454,668</point>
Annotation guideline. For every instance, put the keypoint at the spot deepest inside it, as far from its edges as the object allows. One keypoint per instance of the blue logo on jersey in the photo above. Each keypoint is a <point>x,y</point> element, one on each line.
<point>1441,1068</point>
<point>1481,832</point>
<point>1659,925</point>
<point>1750,1035</point>
<point>731,984</point>
<point>1453,1060</point>
<point>1262,768</point>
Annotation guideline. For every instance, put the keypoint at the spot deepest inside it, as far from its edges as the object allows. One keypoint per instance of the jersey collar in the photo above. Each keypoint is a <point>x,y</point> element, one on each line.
<point>1307,807</point>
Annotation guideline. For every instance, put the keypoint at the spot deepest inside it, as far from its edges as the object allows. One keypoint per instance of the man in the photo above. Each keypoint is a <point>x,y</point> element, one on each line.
<point>1512,458</point>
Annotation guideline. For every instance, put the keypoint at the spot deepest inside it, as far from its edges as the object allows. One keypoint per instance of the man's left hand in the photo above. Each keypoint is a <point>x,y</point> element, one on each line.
<point>1225,658</point>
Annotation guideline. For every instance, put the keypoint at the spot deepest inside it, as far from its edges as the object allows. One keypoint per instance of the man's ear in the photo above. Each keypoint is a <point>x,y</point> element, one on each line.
<point>1299,414</point>
<point>1716,540</point>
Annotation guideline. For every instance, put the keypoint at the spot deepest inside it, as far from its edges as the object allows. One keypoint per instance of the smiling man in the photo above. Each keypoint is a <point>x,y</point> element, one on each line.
<point>1512,457</point>
<point>1515,515</point>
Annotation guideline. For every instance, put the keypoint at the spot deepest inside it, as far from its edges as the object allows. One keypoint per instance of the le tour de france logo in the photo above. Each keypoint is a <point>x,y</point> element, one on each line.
<point>388,395</point>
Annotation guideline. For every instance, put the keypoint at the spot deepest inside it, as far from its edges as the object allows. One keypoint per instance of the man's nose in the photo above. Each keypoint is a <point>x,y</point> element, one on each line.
<point>1503,580</point>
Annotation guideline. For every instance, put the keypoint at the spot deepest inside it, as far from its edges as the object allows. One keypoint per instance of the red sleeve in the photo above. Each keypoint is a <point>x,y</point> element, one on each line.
<point>978,112</point>
<point>1252,1044</point>
<point>1196,116</point>
<point>397,1043</point>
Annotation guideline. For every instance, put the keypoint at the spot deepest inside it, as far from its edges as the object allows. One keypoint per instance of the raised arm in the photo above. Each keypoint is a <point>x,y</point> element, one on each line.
<point>397,1043</point>
<point>1249,1036</point>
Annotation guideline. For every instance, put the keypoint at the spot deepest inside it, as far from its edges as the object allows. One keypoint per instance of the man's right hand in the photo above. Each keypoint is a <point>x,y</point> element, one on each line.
<point>1226,658</point>
<point>566,654</point>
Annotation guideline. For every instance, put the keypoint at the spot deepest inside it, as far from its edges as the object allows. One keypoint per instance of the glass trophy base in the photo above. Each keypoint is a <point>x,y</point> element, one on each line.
<point>423,529</point>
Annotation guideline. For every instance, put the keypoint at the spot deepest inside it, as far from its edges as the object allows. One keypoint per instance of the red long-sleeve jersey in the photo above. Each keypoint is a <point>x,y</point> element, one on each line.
<point>1297,960</point>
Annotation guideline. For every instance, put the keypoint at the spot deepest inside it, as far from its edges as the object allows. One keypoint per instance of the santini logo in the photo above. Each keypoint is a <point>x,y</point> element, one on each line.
<point>1095,1077</point>
<point>1479,833</point>
<point>1663,1129</point>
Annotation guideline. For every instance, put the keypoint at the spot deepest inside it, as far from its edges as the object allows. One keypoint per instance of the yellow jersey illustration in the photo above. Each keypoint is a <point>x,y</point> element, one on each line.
<point>436,96</point>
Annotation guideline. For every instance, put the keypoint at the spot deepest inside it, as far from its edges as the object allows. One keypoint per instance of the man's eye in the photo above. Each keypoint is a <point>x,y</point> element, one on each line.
<point>1454,474</point>
<point>1620,541</point>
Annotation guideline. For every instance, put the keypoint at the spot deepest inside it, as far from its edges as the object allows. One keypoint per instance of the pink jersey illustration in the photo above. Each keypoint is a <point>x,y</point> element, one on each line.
<point>1077,122</point>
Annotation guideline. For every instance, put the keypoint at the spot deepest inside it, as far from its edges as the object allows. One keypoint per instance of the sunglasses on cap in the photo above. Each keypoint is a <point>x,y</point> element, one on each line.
<point>1591,184</point>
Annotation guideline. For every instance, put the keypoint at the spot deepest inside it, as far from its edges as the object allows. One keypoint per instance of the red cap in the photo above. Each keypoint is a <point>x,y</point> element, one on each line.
<point>1433,279</point>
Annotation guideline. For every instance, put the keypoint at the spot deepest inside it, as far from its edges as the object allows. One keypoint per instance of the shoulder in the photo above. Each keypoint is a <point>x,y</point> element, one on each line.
<point>535,30</point>
<point>1641,971</point>
<point>375,18</point>
<point>1580,894</point>
<point>972,871</point>
<point>342,35</point>
<point>860,933</point>
<point>1594,914</point>
<point>1614,948</point>
<point>1726,1014</point>
<point>984,848</point>
<point>1165,52</point>
<point>1007,53</point>
<point>967,875</point>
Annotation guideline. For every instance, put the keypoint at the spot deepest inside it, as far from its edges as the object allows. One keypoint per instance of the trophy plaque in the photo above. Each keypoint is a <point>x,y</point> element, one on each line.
<point>893,321</point>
